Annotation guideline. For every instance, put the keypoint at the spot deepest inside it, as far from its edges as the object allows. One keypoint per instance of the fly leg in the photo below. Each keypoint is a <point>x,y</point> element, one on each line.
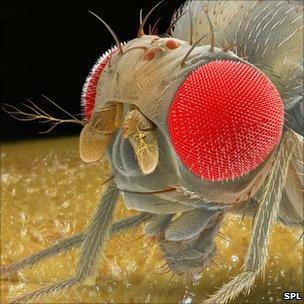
<point>271,194</point>
<point>96,235</point>
<point>63,245</point>
<point>69,243</point>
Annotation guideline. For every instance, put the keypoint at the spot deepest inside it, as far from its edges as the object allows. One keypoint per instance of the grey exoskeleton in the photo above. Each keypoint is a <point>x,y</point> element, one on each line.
<point>139,112</point>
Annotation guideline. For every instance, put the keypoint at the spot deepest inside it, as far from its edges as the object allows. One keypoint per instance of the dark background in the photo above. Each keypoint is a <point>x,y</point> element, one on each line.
<point>49,47</point>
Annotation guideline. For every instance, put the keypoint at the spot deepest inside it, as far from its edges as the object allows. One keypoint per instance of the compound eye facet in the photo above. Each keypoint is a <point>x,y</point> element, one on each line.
<point>90,86</point>
<point>225,120</point>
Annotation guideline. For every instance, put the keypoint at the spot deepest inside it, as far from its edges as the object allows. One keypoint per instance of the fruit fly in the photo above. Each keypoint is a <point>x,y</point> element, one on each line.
<point>197,124</point>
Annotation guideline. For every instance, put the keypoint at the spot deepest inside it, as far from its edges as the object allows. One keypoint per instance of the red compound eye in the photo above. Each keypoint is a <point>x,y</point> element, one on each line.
<point>225,120</point>
<point>89,88</point>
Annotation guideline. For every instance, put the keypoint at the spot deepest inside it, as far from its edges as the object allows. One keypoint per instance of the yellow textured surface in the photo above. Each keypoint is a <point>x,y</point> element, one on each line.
<point>47,193</point>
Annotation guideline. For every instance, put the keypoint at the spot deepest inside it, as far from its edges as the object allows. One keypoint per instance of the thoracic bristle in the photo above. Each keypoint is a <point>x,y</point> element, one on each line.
<point>225,120</point>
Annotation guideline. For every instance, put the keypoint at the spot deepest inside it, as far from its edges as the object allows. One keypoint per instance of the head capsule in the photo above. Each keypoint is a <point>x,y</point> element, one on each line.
<point>220,117</point>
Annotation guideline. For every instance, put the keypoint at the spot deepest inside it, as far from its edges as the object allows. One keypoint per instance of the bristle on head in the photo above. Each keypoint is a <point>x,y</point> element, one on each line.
<point>225,120</point>
<point>89,88</point>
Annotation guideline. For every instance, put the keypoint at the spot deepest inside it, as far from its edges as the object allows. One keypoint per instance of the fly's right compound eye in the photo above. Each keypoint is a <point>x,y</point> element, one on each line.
<point>90,86</point>
<point>225,120</point>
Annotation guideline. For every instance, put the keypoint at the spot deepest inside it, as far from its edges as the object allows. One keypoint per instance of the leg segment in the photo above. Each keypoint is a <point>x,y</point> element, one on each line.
<point>51,289</point>
<point>271,194</point>
<point>63,245</point>
<point>69,243</point>
<point>95,236</point>
<point>96,233</point>
<point>129,223</point>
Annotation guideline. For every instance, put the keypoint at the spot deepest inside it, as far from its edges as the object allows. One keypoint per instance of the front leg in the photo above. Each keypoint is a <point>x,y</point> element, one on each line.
<point>96,235</point>
<point>292,204</point>
<point>69,243</point>
<point>291,208</point>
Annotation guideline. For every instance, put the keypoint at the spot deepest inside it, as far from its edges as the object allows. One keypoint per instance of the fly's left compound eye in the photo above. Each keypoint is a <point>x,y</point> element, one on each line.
<point>225,120</point>
<point>89,88</point>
